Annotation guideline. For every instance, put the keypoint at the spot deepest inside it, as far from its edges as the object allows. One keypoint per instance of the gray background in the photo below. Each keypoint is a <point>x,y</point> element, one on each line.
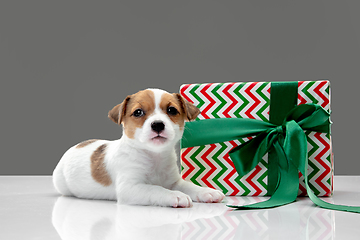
<point>65,64</point>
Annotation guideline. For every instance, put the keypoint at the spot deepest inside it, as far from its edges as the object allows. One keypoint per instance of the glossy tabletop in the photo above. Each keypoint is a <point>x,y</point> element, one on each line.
<point>30,208</point>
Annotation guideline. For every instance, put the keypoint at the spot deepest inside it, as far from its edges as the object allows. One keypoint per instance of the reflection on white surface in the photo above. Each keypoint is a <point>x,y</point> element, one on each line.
<point>294,221</point>
<point>87,219</point>
<point>28,204</point>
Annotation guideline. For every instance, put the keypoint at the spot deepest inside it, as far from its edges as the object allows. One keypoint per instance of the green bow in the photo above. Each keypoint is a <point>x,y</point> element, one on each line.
<point>287,141</point>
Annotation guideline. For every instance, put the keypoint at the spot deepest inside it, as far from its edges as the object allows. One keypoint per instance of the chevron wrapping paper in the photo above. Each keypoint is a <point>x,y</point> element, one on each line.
<point>211,166</point>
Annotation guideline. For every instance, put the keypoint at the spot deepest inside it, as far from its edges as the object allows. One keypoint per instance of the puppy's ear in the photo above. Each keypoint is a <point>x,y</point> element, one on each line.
<point>189,109</point>
<point>118,112</point>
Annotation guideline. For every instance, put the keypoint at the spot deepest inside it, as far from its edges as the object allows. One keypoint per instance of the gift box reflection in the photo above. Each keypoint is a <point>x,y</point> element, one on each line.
<point>87,219</point>
<point>287,222</point>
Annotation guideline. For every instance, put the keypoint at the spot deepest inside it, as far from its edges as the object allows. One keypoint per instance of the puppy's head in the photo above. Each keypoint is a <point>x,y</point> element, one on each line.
<point>153,119</point>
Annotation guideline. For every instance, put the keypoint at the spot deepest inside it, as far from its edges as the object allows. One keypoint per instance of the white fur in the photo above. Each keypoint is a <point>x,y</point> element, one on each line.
<point>142,171</point>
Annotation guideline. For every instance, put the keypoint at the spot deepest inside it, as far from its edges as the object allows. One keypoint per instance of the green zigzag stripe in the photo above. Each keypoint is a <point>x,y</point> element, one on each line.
<point>192,92</point>
<point>267,104</point>
<point>242,141</point>
<point>217,95</point>
<point>327,90</point>
<point>329,179</point>
<point>264,163</point>
<point>243,186</point>
<point>223,167</point>
<point>328,140</point>
<point>308,94</point>
<point>264,175</point>
<point>247,191</point>
<point>202,168</point>
<point>311,164</point>
<point>316,170</point>
<point>245,101</point>
<point>328,158</point>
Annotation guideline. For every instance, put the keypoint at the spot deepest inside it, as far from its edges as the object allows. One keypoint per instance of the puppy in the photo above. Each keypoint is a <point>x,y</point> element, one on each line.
<point>140,168</point>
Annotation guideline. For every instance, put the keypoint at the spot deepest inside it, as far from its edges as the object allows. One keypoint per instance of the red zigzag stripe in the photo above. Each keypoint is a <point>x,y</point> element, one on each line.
<point>182,91</point>
<point>250,178</point>
<point>226,179</point>
<point>257,101</point>
<point>300,98</point>
<point>301,187</point>
<point>233,100</point>
<point>208,162</point>
<point>212,102</point>
<point>183,159</point>
<point>317,91</point>
<point>327,168</point>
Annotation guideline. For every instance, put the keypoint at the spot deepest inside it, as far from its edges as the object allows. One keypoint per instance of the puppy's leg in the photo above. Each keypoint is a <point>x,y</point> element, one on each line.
<point>145,194</point>
<point>199,194</point>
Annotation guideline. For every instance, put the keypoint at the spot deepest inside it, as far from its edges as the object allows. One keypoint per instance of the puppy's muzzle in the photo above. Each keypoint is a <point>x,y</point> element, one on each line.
<point>157,126</point>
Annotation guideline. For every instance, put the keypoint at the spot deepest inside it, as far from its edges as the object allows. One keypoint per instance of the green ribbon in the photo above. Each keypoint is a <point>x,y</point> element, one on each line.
<point>283,98</point>
<point>286,141</point>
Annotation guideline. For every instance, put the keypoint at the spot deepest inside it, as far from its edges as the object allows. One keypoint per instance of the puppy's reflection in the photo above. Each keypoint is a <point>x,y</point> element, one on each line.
<point>89,219</point>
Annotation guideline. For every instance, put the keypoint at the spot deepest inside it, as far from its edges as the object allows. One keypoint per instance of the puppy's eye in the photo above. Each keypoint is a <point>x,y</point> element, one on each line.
<point>138,113</point>
<point>172,111</point>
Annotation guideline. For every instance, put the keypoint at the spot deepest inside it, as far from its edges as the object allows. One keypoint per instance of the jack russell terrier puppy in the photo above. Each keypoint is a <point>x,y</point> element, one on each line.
<point>140,168</point>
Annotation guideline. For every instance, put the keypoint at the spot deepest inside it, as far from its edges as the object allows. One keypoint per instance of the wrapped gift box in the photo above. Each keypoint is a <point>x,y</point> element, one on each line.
<point>211,166</point>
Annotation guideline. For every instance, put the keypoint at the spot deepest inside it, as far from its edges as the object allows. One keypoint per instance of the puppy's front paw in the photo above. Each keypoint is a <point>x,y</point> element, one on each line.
<point>178,199</point>
<point>208,195</point>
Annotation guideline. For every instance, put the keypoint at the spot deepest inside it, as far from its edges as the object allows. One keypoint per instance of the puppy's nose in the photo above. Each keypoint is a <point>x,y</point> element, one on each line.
<point>157,126</point>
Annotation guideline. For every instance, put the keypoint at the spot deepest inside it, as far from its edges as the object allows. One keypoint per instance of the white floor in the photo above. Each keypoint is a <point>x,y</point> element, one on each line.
<point>30,208</point>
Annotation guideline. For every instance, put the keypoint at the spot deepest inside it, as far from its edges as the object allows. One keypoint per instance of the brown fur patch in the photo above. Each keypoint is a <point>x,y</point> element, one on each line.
<point>170,100</point>
<point>144,100</point>
<point>85,143</point>
<point>190,110</point>
<point>98,169</point>
<point>117,113</point>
